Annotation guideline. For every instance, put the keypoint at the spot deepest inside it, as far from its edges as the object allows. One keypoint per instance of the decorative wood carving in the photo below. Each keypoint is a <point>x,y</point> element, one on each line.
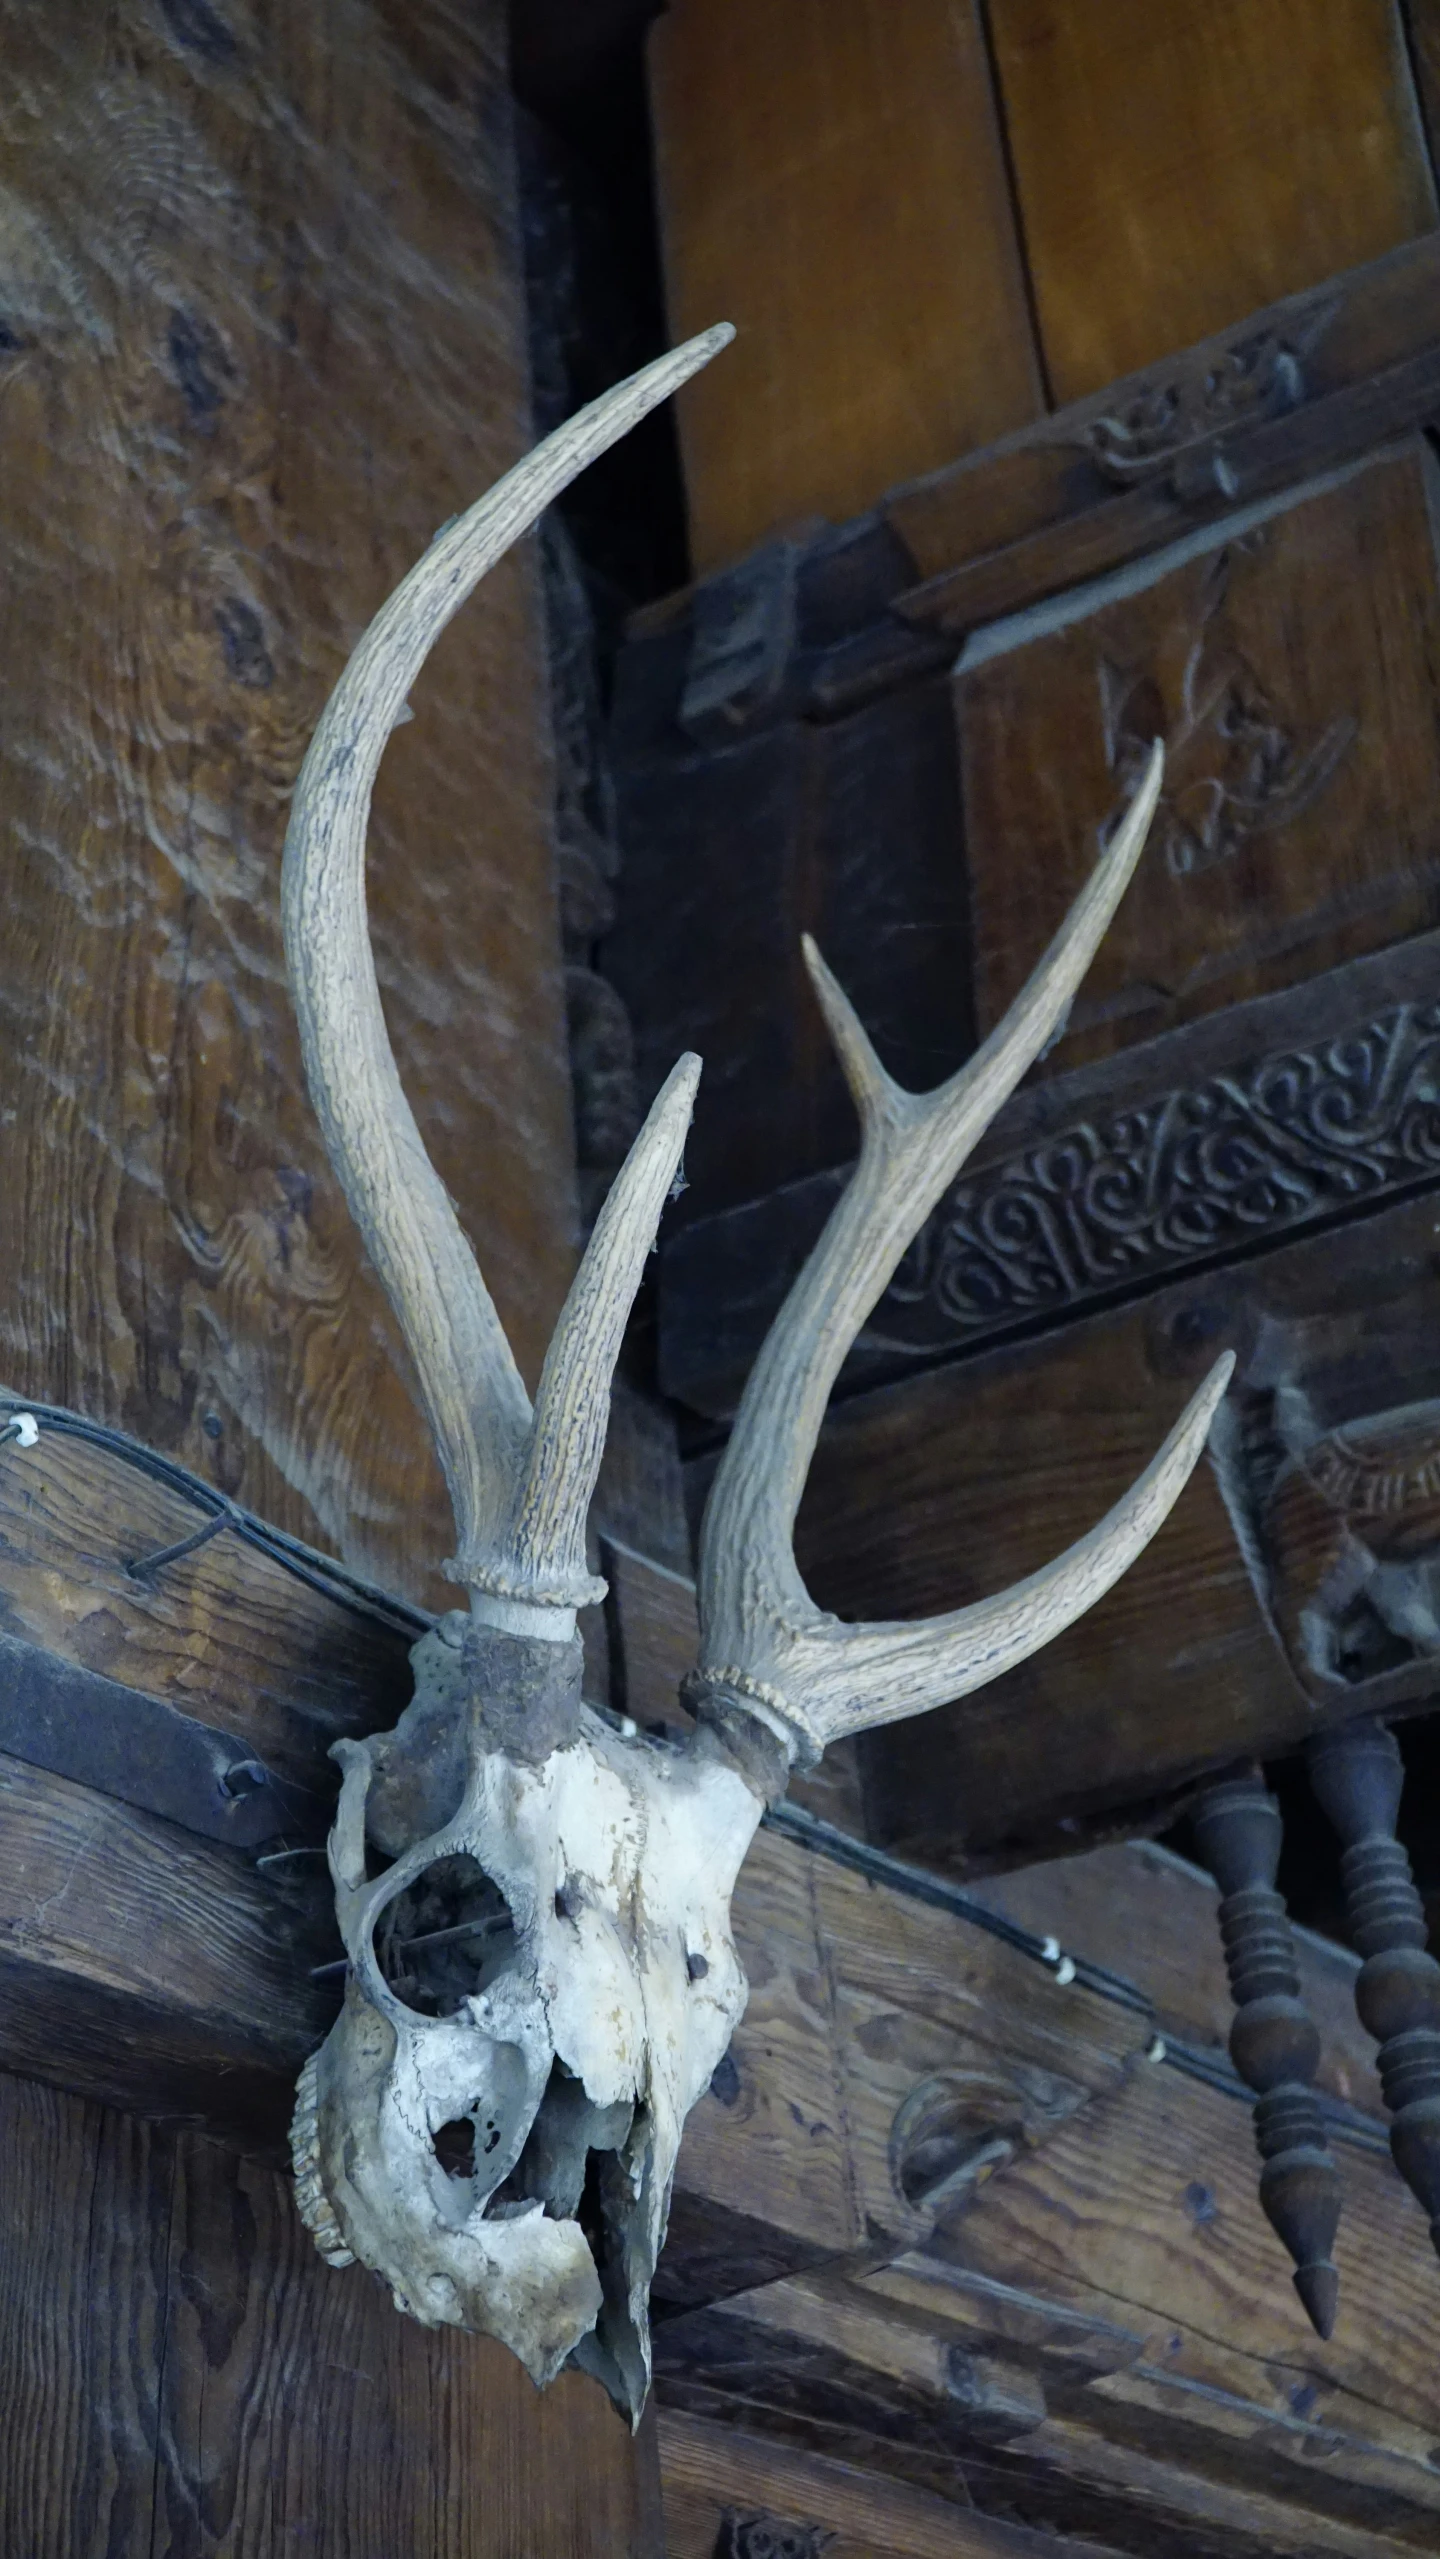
<point>1237,765</point>
<point>1273,2042</point>
<point>1301,756</point>
<point>761,2536</point>
<point>1110,1203</point>
<point>1358,1775</point>
<point>1259,374</point>
<point>1350,1526</point>
<point>1218,1138</point>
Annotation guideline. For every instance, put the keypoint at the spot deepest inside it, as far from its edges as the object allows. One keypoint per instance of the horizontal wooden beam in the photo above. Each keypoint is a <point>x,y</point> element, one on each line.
<point>1329,373</point>
<point>936,2194</point>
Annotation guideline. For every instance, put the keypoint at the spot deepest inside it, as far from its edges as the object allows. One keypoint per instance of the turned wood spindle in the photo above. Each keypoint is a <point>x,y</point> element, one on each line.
<point>1274,2043</point>
<point>1357,1773</point>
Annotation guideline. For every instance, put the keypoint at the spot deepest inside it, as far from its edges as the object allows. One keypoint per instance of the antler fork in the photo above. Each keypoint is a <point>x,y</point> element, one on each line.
<point>521,1482</point>
<point>765,1646</point>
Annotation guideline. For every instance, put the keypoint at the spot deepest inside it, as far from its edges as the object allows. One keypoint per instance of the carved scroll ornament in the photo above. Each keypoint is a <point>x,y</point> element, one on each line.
<point>1109,1204</point>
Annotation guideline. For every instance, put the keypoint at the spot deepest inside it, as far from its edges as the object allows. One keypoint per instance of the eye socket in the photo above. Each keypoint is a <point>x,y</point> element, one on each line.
<point>455,2147</point>
<point>447,1936</point>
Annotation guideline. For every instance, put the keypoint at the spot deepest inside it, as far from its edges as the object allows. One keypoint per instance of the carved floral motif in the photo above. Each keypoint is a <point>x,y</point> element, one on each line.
<point>1236,764</point>
<point>1113,1203</point>
<point>1260,376</point>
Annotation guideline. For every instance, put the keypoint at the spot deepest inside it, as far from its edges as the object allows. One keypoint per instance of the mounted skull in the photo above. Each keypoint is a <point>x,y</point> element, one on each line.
<point>535,1905</point>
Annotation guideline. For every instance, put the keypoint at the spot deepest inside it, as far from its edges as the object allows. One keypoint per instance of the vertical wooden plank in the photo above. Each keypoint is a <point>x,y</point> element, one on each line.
<point>84,2207</point>
<point>182,2378</point>
<point>301,2413</point>
<point>830,179</point>
<point>261,336</point>
<point>1180,162</point>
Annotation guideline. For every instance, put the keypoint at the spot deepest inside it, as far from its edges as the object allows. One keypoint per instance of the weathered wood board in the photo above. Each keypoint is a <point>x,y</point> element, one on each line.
<point>831,179</point>
<point>182,2375</point>
<point>1178,166</point>
<point>259,281</point>
<point>718,2479</point>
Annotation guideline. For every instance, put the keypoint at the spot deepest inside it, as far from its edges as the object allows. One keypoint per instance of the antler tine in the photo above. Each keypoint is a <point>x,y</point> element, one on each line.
<point>545,1543</point>
<point>764,1644</point>
<point>473,1394</point>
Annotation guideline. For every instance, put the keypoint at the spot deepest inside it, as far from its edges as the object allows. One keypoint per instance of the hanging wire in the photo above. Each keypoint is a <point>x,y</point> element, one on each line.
<point>334,1581</point>
<point>318,1572</point>
<point>1193,2061</point>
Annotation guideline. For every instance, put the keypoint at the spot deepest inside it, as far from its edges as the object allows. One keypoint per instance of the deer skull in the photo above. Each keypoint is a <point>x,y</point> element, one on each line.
<point>535,1905</point>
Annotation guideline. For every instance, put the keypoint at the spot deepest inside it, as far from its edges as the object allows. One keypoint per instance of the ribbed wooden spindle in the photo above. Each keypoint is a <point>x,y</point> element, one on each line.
<point>1273,2043</point>
<point>1358,1774</point>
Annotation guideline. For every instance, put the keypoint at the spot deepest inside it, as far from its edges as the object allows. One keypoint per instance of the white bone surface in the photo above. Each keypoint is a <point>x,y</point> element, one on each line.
<point>617,1858</point>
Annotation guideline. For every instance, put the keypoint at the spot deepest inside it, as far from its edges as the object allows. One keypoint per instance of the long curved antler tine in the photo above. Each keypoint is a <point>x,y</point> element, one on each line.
<point>473,1394</point>
<point>763,1641</point>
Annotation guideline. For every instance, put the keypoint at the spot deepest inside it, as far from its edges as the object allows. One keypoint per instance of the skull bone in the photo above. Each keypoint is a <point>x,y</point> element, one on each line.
<point>535,1906</point>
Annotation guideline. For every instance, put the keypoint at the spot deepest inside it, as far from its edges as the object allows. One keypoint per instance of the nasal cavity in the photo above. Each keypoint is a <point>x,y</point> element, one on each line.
<point>455,2147</point>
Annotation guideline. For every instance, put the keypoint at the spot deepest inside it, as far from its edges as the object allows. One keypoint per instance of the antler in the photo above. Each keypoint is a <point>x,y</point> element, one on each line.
<point>520,1484</point>
<point>765,1646</point>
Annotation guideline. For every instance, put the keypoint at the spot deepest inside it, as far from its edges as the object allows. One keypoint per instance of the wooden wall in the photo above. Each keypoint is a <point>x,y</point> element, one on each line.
<point>932,222</point>
<point>260,335</point>
<point>183,2378</point>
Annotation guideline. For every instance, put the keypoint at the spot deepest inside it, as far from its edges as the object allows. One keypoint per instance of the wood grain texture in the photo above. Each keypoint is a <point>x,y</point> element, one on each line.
<point>1178,166</point>
<point>184,2379</point>
<point>711,2471</point>
<point>1289,669</point>
<point>152,1969</point>
<point>225,1634</point>
<point>931,1493</point>
<point>1178,2247</point>
<point>1163,2387</point>
<point>261,337</point>
<point>831,180</point>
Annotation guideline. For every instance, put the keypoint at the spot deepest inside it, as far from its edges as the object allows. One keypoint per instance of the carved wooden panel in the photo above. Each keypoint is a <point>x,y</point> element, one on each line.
<point>1178,166</point>
<point>1288,664</point>
<point>1212,1140</point>
<point>261,336</point>
<point>1040,512</point>
<point>830,178</point>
